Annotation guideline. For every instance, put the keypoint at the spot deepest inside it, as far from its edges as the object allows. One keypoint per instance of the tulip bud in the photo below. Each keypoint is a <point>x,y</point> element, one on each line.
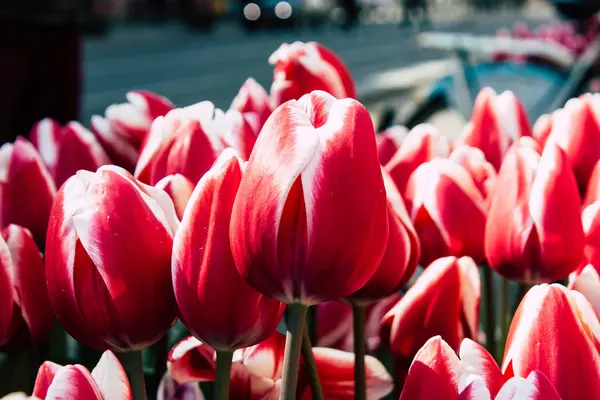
<point>482,172</point>
<point>26,189</point>
<point>401,255</point>
<point>253,99</point>
<point>301,68</point>
<point>108,258</point>
<point>447,210</point>
<point>592,193</point>
<point>132,120</point>
<point>423,143</point>
<point>121,152</point>
<point>186,141</point>
<point>300,231</point>
<point>179,189</point>
<point>535,387</point>
<point>107,381</point>
<point>241,132</point>
<point>576,130</point>
<point>542,129</point>
<point>67,149</point>
<point>389,141</point>
<point>25,317</point>
<point>444,301</point>
<point>204,273</point>
<point>497,121</point>
<point>586,281</point>
<point>534,232</point>
<point>549,334</point>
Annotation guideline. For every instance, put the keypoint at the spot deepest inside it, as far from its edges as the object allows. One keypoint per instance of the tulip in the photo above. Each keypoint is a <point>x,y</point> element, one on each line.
<point>168,389</point>
<point>257,371</point>
<point>534,232</point>
<point>26,189</point>
<point>496,122</point>
<point>252,99</point>
<point>66,150</point>
<point>535,387</point>
<point>108,257</point>
<point>586,280</point>
<point>550,333</point>
<point>444,301</point>
<point>388,142</point>
<point>106,381</point>
<point>576,130</point>
<point>448,211</point>
<point>301,68</point>
<point>482,172</point>
<point>204,273</point>
<point>423,143</point>
<point>542,129</point>
<point>179,189</point>
<point>121,152</point>
<point>592,193</point>
<point>590,218</point>
<point>241,132</point>
<point>185,141</point>
<point>26,317</point>
<point>132,120</point>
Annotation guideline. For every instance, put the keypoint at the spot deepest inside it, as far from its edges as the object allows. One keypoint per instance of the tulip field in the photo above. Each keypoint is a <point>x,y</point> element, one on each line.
<point>283,249</point>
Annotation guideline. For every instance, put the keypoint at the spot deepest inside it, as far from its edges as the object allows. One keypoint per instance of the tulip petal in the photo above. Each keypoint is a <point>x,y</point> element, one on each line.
<point>44,378</point>
<point>179,189</point>
<point>190,360</point>
<point>111,378</point>
<point>478,364</point>
<point>46,136</point>
<point>120,151</point>
<point>253,98</point>
<point>475,391</point>
<point>8,296</point>
<point>168,389</point>
<point>535,387</point>
<point>73,382</point>
<point>389,141</point>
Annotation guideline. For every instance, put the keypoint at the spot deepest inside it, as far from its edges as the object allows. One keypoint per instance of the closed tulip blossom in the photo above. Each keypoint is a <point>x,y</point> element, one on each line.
<point>26,189</point>
<point>256,372</point>
<point>586,281</point>
<point>534,232</point>
<point>300,68</point>
<point>179,189</point>
<point>482,172</point>
<point>206,282</point>
<point>497,121</point>
<point>422,144</point>
<point>448,211</point>
<point>252,99</point>
<point>121,152</point>
<point>107,381</point>
<point>443,301</point>
<point>389,141</point>
<point>542,129</point>
<point>241,132</point>
<point>25,314</point>
<point>576,129</point>
<point>590,218</point>
<point>108,258</point>
<point>186,141</point>
<point>66,150</point>
<point>592,192</point>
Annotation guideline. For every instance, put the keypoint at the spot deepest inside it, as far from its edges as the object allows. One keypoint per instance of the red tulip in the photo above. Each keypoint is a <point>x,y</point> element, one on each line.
<point>590,218</point>
<point>496,122</point>
<point>300,230</point>
<point>535,387</point>
<point>253,99</point>
<point>26,189</point>
<point>533,230</point>
<point>120,151</point>
<point>388,142</point>
<point>473,160</point>
<point>549,333</point>
<point>186,141</point>
<point>592,193</point>
<point>132,120</point>
<point>448,211</point>
<point>206,282</point>
<point>542,129</point>
<point>444,301</point>
<point>301,68</point>
<point>108,258</point>
<point>241,132</point>
<point>66,150</point>
<point>256,371</point>
<point>576,129</point>
<point>586,281</point>
<point>423,143</point>
<point>401,255</point>
<point>107,381</point>
<point>26,317</point>
<point>334,323</point>
<point>179,188</point>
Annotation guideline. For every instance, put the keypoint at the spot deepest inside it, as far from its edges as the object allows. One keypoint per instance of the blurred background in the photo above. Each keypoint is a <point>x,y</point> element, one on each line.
<point>192,50</point>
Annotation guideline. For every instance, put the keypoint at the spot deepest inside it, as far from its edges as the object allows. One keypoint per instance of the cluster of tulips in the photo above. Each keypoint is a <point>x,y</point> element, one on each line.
<point>308,256</point>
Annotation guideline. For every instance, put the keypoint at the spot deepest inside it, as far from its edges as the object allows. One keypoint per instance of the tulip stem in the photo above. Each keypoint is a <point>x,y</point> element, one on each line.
<point>311,367</point>
<point>296,314</point>
<point>311,323</point>
<point>504,317</point>
<point>490,322</point>
<point>224,358</point>
<point>134,366</point>
<point>358,319</point>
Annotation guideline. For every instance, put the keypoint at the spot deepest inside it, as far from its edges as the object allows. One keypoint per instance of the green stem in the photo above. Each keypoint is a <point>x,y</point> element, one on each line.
<point>293,342</point>
<point>133,365</point>
<point>311,367</point>
<point>311,323</point>
<point>224,358</point>
<point>358,319</point>
<point>504,317</point>
<point>490,322</point>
